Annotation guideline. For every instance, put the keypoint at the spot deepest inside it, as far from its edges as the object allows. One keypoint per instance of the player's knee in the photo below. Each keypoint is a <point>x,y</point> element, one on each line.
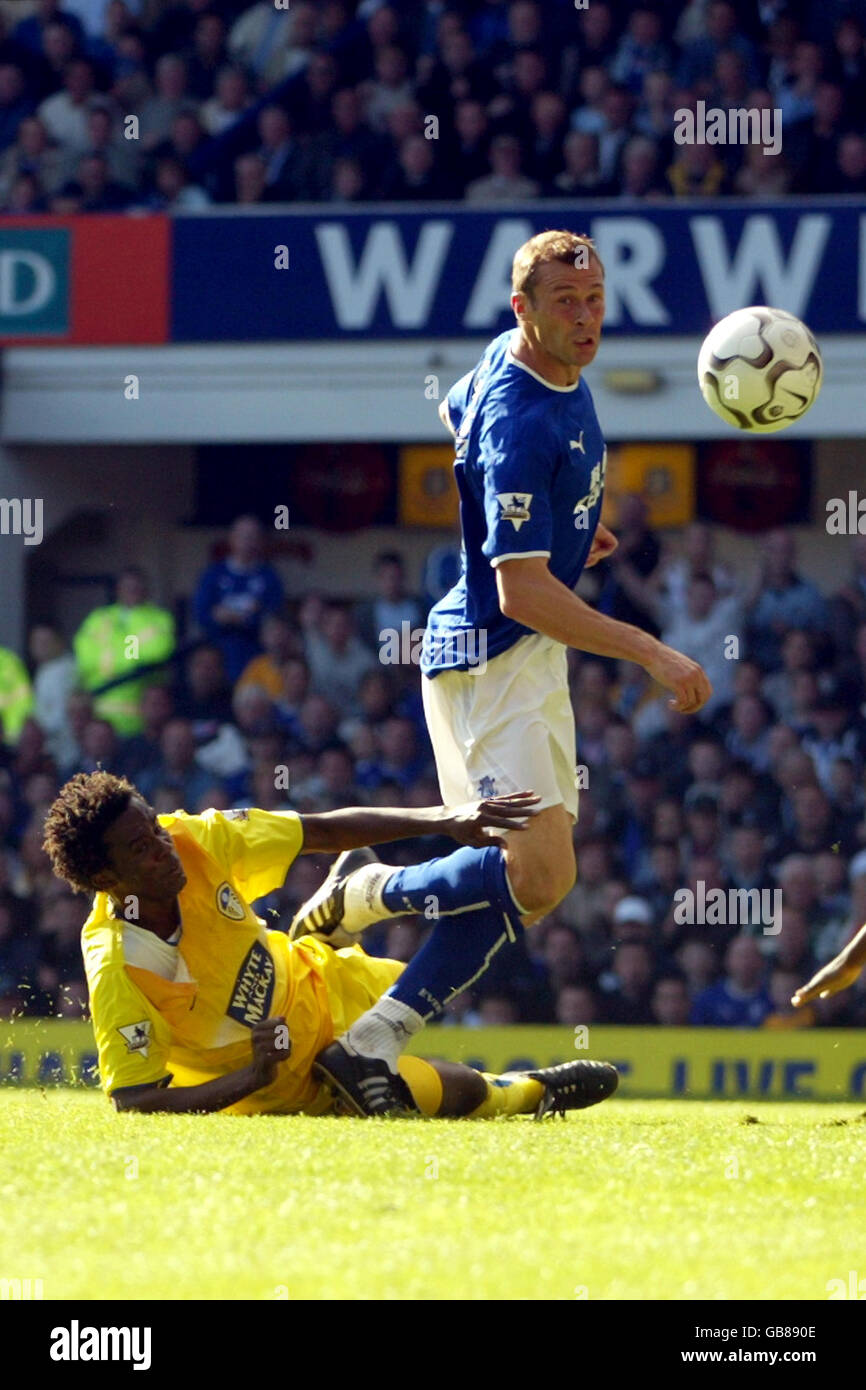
<point>539,885</point>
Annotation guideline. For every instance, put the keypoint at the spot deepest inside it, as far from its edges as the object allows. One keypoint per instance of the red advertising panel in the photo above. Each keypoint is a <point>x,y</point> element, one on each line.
<point>95,280</point>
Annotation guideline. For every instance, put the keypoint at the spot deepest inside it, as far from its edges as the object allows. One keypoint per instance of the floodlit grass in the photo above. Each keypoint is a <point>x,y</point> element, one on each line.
<point>634,1199</point>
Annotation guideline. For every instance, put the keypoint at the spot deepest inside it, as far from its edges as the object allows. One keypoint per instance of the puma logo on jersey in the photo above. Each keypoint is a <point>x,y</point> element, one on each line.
<point>578,443</point>
<point>515,507</point>
<point>137,1036</point>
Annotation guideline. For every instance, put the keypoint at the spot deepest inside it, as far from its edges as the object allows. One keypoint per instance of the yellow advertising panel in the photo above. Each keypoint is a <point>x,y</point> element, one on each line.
<point>663,473</point>
<point>428,492</point>
<point>694,1063</point>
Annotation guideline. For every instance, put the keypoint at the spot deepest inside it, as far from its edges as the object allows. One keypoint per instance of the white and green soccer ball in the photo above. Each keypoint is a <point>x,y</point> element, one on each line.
<point>760,369</point>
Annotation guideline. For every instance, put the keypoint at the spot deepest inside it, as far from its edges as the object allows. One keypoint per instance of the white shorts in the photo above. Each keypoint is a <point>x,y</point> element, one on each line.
<point>506,728</point>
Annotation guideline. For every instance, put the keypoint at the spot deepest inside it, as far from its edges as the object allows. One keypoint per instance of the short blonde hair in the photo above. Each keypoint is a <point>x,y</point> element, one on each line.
<point>544,248</point>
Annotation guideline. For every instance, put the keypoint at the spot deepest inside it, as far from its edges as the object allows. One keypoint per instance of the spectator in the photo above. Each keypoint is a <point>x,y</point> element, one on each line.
<point>627,574</point>
<point>393,605</point>
<point>100,748</point>
<point>616,130</point>
<point>762,175</point>
<point>169,99</point>
<point>310,95</point>
<point>576,1006</point>
<point>547,132</point>
<point>580,177</point>
<point>349,138</point>
<point>469,155</point>
<point>65,115</point>
<point>740,999</point>
<point>177,770</point>
<point>795,98</point>
<point>782,985</point>
<point>279,645</point>
<point>272,43</point>
<point>640,51</point>
<point>32,155</point>
<point>250,173</point>
<point>640,170</point>
<point>103,653</point>
<point>629,1000</point>
<point>15,104</point>
<point>143,749</point>
<point>813,145</point>
<point>749,735</point>
<point>697,172</point>
<point>230,100</point>
<point>286,167</point>
<point>204,695</point>
<point>392,86</point>
<point>120,155</point>
<point>234,594</point>
<point>847,68</point>
<point>30,33</point>
<point>849,174</point>
<point>704,633</point>
<point>506,182</point>
<point>399,759</point>
<point>416,175</point>
<point>16,696</point>
<point>336,656</point>
<point>700,55</point>
<point>54,680</point>
<point>206,56</point>
<point>780,599</point>
<point>100,193</point>
<point>669,1003</point>
<point>173,191</point>
<point>175,27</point>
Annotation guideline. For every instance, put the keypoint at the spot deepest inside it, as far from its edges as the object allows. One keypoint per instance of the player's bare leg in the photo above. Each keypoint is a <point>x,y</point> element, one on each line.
<point>540,863</point>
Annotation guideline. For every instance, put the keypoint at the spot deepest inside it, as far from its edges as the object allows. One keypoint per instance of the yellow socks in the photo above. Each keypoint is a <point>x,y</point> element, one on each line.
<point>511,1094</point>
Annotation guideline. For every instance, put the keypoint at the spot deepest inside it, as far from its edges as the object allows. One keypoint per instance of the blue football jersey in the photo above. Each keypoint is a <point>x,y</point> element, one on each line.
<point>529,461</point>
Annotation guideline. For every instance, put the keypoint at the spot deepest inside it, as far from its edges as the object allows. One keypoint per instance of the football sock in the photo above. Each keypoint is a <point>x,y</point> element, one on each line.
<point>511,1094</point>
<point>457,953</point>
<point>457,882</point>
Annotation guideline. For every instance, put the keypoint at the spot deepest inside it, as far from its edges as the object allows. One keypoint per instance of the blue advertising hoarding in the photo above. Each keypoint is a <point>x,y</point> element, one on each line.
<point>444,271</point>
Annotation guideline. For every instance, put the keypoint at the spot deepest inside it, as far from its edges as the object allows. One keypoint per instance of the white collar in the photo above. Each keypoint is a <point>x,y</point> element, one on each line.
<point>549,384</point>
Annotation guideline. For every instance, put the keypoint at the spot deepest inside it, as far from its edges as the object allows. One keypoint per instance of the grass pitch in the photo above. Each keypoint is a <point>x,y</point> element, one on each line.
<point>630,1200</point>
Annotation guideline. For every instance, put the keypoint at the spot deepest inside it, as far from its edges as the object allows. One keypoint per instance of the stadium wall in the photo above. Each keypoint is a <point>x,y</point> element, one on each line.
<point>103,503</point>
<point>687,1063</point>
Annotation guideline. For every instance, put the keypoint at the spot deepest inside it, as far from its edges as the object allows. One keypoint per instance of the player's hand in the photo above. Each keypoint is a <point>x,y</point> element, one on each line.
<point>604,543</point>
<point>271,1045</point>
<point>837,974</point>
<point>469,824</point>
<point>684,678</point>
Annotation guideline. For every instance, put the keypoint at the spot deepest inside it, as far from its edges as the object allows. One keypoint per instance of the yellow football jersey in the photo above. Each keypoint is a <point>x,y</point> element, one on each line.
<point>182,1013</point>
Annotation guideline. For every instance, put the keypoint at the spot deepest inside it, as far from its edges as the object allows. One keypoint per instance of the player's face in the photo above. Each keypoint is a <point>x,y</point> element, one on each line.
<point>143,859</point>
<point>564,315</point>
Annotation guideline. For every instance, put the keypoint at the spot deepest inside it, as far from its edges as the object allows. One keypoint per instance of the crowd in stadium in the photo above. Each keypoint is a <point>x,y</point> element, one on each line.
<point>487,101</point>
<point>290,705</point>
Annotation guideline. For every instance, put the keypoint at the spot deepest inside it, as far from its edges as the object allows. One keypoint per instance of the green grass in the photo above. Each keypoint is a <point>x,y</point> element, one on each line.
<point>634,1199</point>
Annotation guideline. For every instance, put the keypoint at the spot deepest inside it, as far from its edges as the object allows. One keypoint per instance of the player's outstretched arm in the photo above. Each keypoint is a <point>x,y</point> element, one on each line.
<point>531,595</point>
<point>271,1045</point>
<point>837,974</point>
<point>357,826</point>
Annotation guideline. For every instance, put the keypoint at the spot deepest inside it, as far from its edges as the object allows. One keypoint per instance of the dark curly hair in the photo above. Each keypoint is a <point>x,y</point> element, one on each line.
<point>84,809</point>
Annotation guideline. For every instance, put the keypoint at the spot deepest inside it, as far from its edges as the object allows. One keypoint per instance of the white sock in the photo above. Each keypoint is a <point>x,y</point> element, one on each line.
<point>383,1031</point>
<point>362,898</point>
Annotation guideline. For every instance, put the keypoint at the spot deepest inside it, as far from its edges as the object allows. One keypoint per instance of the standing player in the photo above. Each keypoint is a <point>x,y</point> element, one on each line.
<point>530,463</point>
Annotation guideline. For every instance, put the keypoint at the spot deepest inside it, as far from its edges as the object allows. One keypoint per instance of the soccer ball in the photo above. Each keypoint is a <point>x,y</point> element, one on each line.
<point>760,369</point>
